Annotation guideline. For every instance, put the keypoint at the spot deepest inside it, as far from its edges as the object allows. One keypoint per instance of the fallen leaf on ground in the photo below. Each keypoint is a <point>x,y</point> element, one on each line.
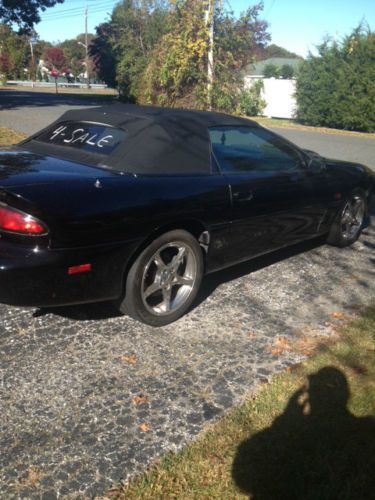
<point>33,477</point>
<point>130,360</point>
<point>340,315</point>
<point>145,427</point>
<point>281,344</point>
<point>140,399</point>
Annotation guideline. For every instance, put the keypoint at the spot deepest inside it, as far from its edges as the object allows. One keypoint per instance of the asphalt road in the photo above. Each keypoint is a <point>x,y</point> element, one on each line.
<point>88,397</point>
<point>30,111</point>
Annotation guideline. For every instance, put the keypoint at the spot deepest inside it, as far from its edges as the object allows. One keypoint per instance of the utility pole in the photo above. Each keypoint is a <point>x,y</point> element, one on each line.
<point>33,75</point>
<point>87,52</point>
<point>209,17</point>
<point>32,39</point>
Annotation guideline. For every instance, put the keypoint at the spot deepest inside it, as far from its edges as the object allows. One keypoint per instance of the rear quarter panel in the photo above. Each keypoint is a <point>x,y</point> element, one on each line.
<point>129,208</point>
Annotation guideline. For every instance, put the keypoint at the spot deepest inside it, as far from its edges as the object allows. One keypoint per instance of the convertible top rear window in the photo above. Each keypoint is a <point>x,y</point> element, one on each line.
<point>88,137</point>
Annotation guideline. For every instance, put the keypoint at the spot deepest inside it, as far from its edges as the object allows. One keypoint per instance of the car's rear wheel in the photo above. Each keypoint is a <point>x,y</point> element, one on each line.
<point>349,222</point>
<point>164,280</point>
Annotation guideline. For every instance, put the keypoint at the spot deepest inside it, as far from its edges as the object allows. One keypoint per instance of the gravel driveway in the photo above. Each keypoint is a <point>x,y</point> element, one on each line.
<point>89,398</point>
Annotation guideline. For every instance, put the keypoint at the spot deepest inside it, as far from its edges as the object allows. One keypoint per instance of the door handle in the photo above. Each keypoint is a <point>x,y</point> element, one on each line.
<point>243,197</point>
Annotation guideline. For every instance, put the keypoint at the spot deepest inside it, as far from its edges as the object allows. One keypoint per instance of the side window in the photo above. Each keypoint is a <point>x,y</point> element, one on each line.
<point>243,149</point>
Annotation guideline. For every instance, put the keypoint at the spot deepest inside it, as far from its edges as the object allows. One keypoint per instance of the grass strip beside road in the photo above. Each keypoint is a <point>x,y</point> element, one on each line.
<point>8,137</point>
<point>307,434</point>
<point>284,123</point>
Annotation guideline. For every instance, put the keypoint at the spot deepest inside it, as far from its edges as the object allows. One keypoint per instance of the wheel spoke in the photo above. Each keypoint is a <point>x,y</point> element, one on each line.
<point>160,264</point>
<point>356,209</point>
<point>183,280</point>
<point>154,287</point>
<point>346,219</point>
<point>167,299</point>
<point>177,259</point>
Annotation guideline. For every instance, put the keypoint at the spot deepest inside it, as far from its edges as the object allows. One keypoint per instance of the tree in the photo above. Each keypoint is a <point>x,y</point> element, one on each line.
<point>178,70</point>
<point>75,53</point>
<point>122,48</point>
<point>286,71</point>
<point>24,13</point>
<point>15,49</point>
<point>271,71</point>
<point>237,43</point>
<point>274,50</point>
<point>178,64</point>
<point>336,88</point>
<point>54,58</point>
<point>4,67</point>
<point>156,51</point>
<point>251,102</point>
<point>102,53</point>
<point>138,25</point>
<point>39,48</point>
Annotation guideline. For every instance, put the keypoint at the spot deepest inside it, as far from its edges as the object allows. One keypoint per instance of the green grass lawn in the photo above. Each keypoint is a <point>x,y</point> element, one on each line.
<point>284,123</point>
<point>309,434</point>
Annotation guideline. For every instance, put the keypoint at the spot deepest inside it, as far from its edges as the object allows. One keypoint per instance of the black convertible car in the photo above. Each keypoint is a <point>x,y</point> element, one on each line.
<point>135,204</point>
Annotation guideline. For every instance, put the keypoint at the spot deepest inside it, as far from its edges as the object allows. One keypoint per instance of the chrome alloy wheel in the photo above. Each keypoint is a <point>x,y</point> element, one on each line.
<point>169,278</point>
<point>352,217</point>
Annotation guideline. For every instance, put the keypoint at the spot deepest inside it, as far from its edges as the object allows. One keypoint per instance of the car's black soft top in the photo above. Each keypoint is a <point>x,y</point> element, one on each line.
<point>158,140</point>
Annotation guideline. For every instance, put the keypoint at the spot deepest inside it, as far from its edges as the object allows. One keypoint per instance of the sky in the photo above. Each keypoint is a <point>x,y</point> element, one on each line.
<point>297,25</point>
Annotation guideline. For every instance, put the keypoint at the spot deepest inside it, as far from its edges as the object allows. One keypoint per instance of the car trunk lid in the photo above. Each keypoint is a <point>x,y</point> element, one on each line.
<point>20,167</point>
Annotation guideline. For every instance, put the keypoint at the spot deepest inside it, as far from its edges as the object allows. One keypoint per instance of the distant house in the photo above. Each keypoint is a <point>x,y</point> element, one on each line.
<point>256,69</point>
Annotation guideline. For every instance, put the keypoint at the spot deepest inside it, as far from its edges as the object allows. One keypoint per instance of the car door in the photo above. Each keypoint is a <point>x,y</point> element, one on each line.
<point>272,197</point>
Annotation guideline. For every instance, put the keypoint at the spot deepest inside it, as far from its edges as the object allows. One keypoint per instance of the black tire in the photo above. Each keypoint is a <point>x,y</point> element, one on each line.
<point>341,237</point>
<point>160,266</point>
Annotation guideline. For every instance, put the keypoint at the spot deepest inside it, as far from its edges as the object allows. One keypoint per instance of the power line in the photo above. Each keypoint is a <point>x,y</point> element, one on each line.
<point>269,8</point>
<point>101,4</point>
<point>75,14</point>
<point>81,8</point>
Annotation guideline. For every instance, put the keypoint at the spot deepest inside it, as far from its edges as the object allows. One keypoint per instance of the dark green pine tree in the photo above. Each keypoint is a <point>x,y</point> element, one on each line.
<point>337,87</point>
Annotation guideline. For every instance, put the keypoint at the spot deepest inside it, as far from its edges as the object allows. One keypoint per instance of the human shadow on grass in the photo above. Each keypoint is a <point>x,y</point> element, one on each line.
<point>315,450</point>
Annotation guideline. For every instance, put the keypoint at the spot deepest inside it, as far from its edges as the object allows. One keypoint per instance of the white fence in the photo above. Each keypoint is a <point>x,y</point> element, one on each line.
<point>25,83</point>
<point>279,96</point>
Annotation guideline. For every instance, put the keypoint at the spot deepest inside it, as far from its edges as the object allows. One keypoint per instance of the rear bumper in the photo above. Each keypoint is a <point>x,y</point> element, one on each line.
<point>39,276</point>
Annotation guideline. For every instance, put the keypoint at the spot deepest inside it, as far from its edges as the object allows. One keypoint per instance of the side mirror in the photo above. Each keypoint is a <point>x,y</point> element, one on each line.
<point>316,164</point>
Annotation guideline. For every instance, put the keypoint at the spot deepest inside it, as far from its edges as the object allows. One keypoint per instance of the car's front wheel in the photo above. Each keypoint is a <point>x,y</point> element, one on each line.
<point>349,222</point>
<point>164,280</point>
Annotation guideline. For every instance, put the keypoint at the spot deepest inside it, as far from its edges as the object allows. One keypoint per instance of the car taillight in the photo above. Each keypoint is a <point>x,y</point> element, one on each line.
<point>19,222</point>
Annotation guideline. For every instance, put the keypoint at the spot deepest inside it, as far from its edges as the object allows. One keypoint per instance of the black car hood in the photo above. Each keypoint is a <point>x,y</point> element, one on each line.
<point>19,167</point>
<point>347,167</point>
<point>341,167</point>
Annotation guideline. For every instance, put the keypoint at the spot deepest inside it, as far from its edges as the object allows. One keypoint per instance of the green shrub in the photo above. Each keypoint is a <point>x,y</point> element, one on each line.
<point>271,71</point>
<point>286,72</point>
<point>251,102</point>
<point>336,88</point>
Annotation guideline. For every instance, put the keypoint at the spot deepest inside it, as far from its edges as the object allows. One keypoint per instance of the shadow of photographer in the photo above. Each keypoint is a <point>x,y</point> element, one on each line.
<point>315,450</point>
